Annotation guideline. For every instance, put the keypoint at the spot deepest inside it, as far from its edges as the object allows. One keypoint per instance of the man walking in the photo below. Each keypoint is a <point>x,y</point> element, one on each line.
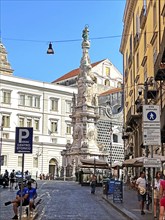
<point>141,188</point>
<point>12,179</point>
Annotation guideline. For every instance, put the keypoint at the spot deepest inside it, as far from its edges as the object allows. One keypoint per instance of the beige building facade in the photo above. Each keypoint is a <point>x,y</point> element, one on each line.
<point>143,49</point>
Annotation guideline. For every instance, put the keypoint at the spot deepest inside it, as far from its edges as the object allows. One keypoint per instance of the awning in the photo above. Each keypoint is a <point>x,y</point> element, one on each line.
<point>93,162</point>
<point>138,161</point>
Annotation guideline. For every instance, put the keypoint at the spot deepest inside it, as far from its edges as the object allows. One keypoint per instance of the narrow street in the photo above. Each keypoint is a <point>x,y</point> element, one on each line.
<point>64,201</point>
<point>71,201</point>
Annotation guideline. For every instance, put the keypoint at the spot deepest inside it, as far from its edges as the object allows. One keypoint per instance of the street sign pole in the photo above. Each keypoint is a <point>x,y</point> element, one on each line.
<point>151,134</point>
<point>23,144</point>
<point>20,216</point>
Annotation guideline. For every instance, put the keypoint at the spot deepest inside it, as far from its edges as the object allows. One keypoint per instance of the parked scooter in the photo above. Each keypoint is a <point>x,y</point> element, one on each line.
<point>4,181</point>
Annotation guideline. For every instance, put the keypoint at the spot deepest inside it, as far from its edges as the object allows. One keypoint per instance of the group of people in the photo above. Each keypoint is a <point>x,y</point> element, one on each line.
<point>159,193</point>
<point>25,195</point>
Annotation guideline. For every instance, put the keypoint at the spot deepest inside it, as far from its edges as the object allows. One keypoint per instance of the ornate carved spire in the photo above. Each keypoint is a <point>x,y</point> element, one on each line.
<point>5,66</point>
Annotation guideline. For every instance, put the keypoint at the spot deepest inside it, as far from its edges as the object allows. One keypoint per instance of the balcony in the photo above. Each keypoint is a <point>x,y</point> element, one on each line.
<point>132,118</point>
<point>139,105</point>
<point>152,93</point>
<point>160,75</point>
<point>143,18</point>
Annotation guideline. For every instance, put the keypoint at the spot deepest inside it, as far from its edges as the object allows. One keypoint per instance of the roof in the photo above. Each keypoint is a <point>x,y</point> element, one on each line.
<point>74,73</point>
<point>111,91</point>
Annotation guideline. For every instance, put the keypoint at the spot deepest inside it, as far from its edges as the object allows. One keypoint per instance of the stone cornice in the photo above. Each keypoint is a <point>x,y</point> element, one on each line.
<point>128,15</point>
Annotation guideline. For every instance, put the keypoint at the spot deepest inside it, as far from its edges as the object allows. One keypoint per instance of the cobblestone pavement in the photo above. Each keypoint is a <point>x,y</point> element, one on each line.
<point>71,201</point>
<point>65,201</point>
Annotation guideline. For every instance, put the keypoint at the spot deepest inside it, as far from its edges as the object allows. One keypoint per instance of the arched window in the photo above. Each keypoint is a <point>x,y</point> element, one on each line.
<point>95,79</point>
<point>107,83</point>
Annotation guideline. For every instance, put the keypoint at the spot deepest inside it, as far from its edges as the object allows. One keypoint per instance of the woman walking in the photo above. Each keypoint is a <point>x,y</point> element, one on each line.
<point>162,199</point>
<point>156,191</point>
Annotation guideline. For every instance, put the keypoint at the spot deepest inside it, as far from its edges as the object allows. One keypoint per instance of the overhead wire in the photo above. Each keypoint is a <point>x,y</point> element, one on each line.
<point>73,40</point>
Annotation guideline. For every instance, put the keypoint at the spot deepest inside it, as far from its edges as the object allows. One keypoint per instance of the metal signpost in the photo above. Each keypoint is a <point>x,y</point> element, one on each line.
<point>23,144</point>
<point>151,136</point>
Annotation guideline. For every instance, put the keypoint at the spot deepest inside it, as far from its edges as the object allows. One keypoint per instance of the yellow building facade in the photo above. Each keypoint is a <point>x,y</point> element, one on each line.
<point>143,49</point>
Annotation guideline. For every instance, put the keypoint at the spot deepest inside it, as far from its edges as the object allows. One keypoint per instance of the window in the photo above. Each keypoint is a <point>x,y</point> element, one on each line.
<point>36,138</point>
<point>107,71</point>
<point>115,138</point>
<point>137,24</point>
<point>19,161</point>
<point>36,101</point>
<point>7,97</point>
<point>5,135</point>
<point>4,160</point>
<point>145,42</point>
<point>54,140</point>
<point>145,73</point>
<point>68,128</point>
<point>145,5</point>
<point>36,124</point>
<point>107,83</point>
<point>130,44</point>
<point>154,16</point>
<point>126,59</point>
<point>6,121</point>
<point>22,100</point>
<point>131,78</point>
<point>68,141</point>
<point>35,162</point>
<point>68,107</point>
<point>155,52</point>
<point>54,126</point>
<point>29,101</point>
<point>137,61</point>
<point>21,122</point>
<point>54,105</point>
<point>29,122</point>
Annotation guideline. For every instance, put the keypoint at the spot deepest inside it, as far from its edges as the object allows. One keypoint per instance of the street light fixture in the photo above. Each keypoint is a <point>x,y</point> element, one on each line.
<point>50,49</point>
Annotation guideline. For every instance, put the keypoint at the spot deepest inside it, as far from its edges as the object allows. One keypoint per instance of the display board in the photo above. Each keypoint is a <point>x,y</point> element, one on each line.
<point>118,191</point>
<point>111,186</point>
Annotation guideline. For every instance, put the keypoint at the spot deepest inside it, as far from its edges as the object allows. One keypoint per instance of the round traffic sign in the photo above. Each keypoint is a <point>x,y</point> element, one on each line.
<point>151,116</point>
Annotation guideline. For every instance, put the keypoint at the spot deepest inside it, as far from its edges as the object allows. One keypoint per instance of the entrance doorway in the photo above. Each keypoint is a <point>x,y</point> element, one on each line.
<point>52,168</point>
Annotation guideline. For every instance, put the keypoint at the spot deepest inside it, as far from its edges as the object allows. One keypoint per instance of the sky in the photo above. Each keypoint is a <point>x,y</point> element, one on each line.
<point>27,27</point>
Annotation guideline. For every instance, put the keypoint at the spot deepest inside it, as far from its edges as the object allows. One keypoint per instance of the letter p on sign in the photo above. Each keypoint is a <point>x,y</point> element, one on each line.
<point>23,140</point>
<point>23,135</point>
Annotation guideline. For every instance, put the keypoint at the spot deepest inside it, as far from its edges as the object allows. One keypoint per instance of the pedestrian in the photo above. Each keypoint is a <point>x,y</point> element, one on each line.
<point>93,182</point>
<point>22,194</point>
<point>6,174</point>
<point>32,195</point>
<point>156,188</point>
<point>162,200</point>
<point>12,179</point>
<point>141,190</point>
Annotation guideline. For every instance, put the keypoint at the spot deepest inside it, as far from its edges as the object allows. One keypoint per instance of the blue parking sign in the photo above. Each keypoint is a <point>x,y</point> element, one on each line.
<point>23,140</point>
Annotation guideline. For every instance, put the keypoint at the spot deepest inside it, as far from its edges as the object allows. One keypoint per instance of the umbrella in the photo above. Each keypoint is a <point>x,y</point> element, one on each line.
<point>138,161</point>
<point>117,164</point>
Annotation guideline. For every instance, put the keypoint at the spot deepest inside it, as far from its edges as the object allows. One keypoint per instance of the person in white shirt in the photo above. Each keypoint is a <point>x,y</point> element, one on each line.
<point>141,188</point>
